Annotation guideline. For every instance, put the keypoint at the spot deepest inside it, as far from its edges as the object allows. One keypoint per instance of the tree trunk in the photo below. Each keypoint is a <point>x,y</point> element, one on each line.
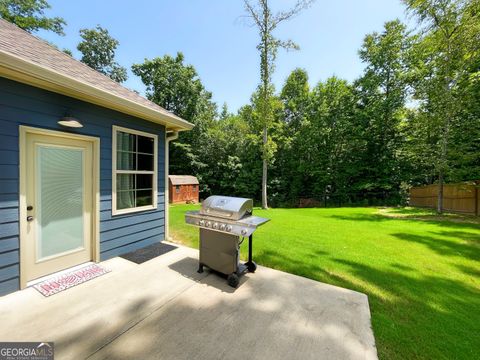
<point>443,161</point>
<point>265,107</point>
<point>448,104</point>
<point>264,173</point>
<point>440,192</point>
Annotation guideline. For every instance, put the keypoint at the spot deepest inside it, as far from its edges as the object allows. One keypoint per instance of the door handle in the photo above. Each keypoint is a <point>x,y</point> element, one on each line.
<point>29,218</point>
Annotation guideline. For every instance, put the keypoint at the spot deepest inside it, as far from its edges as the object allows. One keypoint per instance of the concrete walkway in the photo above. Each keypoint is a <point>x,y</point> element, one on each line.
<point>163,309</point>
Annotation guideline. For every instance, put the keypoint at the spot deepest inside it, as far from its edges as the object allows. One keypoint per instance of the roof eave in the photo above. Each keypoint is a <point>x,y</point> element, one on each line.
<point>27,72</point>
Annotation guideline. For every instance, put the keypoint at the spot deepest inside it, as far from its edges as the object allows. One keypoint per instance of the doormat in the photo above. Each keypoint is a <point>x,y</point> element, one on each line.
<point>147,253</point>
<point>69,279</point>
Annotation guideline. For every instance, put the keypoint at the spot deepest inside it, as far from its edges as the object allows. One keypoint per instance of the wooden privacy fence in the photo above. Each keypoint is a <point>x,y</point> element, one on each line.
<point>459,198</point>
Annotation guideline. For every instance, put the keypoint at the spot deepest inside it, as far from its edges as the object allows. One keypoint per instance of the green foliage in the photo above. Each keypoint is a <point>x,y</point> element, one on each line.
<point>419,270</point>
<point>177,87</point>
<point>446,55</point>
<point>98,52</point>
<point>266,21</point>
<point>173,85</point>
<point>224,114</point>
<point>382,92</point>
<point>340,143</point>
<point>295,96</point>
<point>30,15</point>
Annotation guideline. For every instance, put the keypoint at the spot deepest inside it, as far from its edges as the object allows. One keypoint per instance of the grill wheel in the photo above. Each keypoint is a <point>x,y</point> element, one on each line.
<point>251,266</point>
<point>233,280</point>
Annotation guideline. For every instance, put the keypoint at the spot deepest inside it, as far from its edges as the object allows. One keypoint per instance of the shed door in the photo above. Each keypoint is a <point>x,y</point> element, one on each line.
<point>186,192</point>
<point>59,198</point>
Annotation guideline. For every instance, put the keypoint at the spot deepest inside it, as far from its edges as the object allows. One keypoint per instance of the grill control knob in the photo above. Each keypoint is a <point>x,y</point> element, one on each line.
<point>229,228</point>
<point>208,224</point>
<point>215,225</point>
<point>222,227</point>
<point>201,223</point>
<point>244,232</point>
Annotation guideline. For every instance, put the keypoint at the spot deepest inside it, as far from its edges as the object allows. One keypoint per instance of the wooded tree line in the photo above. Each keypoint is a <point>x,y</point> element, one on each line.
<point>411,118</point>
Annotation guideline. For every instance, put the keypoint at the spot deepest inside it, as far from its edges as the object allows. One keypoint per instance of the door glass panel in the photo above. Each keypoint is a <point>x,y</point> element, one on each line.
<point>60,191</point>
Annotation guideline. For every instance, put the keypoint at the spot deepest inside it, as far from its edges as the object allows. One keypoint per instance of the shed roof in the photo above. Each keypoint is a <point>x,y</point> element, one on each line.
<point>28,59</point>
<point>183,180</point>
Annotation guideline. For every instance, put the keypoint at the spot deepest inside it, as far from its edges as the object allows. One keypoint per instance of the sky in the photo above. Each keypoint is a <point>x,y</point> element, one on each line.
<point>219,42</point>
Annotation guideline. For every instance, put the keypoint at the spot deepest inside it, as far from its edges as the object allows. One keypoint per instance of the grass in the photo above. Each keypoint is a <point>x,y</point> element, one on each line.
<point>421,271</point>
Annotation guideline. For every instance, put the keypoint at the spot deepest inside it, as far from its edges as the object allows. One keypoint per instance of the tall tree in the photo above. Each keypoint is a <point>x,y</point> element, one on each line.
<point>382,92</point>
<point>223,146</point>
<point>449,38</point>
<point>98,52</point>
<point>30,15</point>
<point>173,85</point>
<point>295,96</point>
<point>224,113</point>
<point>177,87</point>
<point>330,142</point>
<point>286,171</point>
<point>266,22</point>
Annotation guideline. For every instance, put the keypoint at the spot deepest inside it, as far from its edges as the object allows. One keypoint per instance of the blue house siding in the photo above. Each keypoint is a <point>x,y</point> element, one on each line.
<point>22,104</point>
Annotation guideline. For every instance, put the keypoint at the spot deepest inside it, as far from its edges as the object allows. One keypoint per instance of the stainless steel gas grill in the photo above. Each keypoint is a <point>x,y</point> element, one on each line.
<point>224,222</point>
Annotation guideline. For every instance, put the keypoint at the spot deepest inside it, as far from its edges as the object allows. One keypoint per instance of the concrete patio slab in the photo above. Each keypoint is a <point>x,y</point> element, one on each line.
<point>163,309</point>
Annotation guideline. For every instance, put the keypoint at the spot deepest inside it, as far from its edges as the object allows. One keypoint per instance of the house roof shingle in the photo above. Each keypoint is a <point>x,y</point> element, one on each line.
<point>21,52</point>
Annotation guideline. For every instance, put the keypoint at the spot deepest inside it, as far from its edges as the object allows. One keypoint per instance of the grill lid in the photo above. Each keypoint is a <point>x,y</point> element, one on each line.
<point>227,207</point>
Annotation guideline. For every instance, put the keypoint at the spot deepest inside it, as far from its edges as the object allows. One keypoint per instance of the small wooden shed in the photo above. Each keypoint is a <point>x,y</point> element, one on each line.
<point>183,188</point>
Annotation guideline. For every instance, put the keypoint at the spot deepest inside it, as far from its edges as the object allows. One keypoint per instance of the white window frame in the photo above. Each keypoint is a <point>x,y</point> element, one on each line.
<point>116,211</point>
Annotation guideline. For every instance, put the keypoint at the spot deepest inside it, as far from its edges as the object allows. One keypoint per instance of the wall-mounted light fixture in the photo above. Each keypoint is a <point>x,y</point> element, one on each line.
<point>70,122</point>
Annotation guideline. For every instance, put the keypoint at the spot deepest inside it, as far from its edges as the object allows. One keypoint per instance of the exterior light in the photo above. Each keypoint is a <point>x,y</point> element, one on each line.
<point>70,122</point>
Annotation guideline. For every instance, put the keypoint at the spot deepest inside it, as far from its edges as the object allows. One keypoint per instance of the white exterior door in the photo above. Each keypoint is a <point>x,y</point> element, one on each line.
<point>59,198</point>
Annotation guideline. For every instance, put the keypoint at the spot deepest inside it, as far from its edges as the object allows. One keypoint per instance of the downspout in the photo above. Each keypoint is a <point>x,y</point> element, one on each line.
<point>169,136</point>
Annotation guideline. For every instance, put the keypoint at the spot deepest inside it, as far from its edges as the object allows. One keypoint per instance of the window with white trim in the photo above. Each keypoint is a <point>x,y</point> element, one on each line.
<point>134,171</point>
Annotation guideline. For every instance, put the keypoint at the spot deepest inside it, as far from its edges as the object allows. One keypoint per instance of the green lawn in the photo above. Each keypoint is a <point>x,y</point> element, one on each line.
<point>421,272</point>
